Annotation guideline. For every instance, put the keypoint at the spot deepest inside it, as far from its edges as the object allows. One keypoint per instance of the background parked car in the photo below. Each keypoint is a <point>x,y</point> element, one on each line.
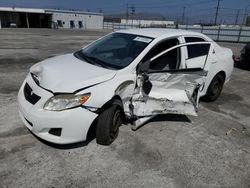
<point>244,59</point>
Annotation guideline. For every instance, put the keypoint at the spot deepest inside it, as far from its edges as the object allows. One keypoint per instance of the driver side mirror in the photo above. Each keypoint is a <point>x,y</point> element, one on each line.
<point>144,67</point>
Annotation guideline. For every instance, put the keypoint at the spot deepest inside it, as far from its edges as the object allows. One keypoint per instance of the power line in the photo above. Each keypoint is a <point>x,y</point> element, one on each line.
<point>183,15</point>
<point>158,3</point>
<point>237,17</point>
<point>245,17</point>
<point>203,10</point>
<point>200,15</point>
<point>177,5</point>
<point>190,11</point>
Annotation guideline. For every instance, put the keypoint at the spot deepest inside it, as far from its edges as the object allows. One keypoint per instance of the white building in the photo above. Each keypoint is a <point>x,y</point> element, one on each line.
<point>47,18</point>
<point>147,23</point>
<point>76,19</point>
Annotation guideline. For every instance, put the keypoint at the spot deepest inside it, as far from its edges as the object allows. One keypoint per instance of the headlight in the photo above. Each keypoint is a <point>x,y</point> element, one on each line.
<point>65,101</point>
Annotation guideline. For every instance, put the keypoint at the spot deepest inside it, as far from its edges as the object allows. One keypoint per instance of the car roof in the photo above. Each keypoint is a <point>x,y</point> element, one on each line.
<point>160,32</point>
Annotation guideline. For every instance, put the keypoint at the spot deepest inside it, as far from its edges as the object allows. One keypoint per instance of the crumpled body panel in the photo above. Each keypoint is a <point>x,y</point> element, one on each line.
<point>169,93</point>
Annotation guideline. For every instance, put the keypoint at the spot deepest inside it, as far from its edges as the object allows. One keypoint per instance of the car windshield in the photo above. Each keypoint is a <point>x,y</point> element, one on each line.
<point>114,51</point>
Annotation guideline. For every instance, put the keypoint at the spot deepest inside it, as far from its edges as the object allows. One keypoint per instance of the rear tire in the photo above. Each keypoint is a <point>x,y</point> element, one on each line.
<point>108,124</point>
<point>215,88</point>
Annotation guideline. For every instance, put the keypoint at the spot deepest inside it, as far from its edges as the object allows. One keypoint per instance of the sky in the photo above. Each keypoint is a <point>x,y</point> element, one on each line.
<point>195,10</point>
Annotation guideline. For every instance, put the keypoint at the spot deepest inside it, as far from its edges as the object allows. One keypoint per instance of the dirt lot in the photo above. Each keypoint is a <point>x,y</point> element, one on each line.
<point>170,151</point>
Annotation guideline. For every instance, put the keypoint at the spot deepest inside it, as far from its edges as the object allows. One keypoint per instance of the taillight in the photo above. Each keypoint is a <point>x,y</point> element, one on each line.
<point>236,58</point>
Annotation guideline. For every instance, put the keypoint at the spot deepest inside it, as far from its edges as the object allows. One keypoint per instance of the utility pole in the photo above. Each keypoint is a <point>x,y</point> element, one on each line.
<point>217,10</point>
<point>245,17</point>
<point>130,10</point>
<point>183,16</point>
<point>127,14</point>
<point>237,17</point>
<point>132,7</point>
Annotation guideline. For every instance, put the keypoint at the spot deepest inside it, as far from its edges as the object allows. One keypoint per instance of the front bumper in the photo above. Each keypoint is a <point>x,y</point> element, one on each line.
<point>74,123</point>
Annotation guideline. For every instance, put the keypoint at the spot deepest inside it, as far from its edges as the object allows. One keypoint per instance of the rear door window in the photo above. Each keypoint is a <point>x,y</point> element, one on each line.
<point>196,50</point>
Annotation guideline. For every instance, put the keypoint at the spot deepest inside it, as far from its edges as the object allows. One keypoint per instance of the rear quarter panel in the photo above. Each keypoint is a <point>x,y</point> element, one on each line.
<point>223,62</point>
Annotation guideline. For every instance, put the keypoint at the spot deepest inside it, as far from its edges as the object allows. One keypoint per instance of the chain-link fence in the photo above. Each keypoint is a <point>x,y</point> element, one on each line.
<point>238,34</point>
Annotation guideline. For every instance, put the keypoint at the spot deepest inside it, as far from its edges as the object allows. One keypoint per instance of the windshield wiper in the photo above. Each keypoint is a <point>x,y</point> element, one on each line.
<point>97,61</point>
<point>93,60</point>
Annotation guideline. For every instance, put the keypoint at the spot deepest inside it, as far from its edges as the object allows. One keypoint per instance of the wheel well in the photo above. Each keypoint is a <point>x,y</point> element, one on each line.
<point>92,131</point>
<point>115,100</point>
<point>223,74</point>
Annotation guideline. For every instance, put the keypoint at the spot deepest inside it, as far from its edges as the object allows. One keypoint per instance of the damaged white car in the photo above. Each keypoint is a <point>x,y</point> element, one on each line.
<point>126,75</point>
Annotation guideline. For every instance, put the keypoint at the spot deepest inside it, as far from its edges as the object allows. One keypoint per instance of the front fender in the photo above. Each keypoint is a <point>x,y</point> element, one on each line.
<point>122,86</point>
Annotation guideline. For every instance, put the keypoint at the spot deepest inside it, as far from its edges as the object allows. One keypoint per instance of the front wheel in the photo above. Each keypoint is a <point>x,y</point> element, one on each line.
<point>215,88</point>
<point>108,124</point>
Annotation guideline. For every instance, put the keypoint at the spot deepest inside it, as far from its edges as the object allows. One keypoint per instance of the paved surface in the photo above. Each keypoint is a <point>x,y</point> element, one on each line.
<point>170,151</point>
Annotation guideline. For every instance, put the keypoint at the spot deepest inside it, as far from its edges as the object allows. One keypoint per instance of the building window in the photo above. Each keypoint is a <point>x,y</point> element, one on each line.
<point>80,24</point>
<point>59,23</point>
<point>72,24</point>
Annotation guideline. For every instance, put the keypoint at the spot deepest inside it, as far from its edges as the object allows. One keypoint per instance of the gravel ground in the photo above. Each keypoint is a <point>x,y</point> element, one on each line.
<point>170,151</point>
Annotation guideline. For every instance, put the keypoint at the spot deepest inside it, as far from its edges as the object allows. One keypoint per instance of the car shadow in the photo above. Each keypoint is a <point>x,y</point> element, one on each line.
<point>168,118</point>
<point>91,134</point>
<point>171,117</point>
<point>65,146</point>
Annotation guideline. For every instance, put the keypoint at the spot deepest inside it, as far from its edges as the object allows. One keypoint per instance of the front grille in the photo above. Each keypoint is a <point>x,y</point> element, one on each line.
<point>29,95</point>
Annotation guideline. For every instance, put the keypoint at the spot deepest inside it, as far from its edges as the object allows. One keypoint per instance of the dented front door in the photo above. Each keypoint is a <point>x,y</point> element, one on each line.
<point>167,91</point>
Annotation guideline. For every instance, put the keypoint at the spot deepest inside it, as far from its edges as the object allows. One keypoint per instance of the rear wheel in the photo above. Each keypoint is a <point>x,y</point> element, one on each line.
<point>108,124</point>
<point>215,88</point>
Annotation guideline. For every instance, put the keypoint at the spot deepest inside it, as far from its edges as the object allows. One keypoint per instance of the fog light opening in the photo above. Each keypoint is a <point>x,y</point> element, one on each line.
<point>55,131</point>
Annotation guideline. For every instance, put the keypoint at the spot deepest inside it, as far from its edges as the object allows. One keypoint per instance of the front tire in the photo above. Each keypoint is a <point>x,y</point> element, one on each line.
<point>215,88</point>
<point>108,124</point>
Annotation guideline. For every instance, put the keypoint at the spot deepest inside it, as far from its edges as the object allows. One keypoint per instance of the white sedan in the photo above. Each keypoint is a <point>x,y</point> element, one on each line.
<point>129,75</point>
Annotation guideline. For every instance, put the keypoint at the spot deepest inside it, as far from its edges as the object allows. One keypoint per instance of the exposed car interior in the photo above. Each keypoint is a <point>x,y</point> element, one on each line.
<point>168,61</point>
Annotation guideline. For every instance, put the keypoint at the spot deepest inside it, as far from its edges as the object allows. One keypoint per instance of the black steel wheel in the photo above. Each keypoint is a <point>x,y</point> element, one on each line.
<point>215,88</point>
<point>108,124</point>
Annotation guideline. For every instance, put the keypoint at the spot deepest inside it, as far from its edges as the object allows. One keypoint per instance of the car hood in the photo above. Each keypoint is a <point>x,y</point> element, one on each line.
<point>68,74</point>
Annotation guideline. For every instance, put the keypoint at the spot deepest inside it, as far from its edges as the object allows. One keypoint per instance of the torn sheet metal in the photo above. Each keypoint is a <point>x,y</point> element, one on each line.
<point>153,106</point>
<point>140,122</point>
<point>170,93</point>
<point>125,90</point>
